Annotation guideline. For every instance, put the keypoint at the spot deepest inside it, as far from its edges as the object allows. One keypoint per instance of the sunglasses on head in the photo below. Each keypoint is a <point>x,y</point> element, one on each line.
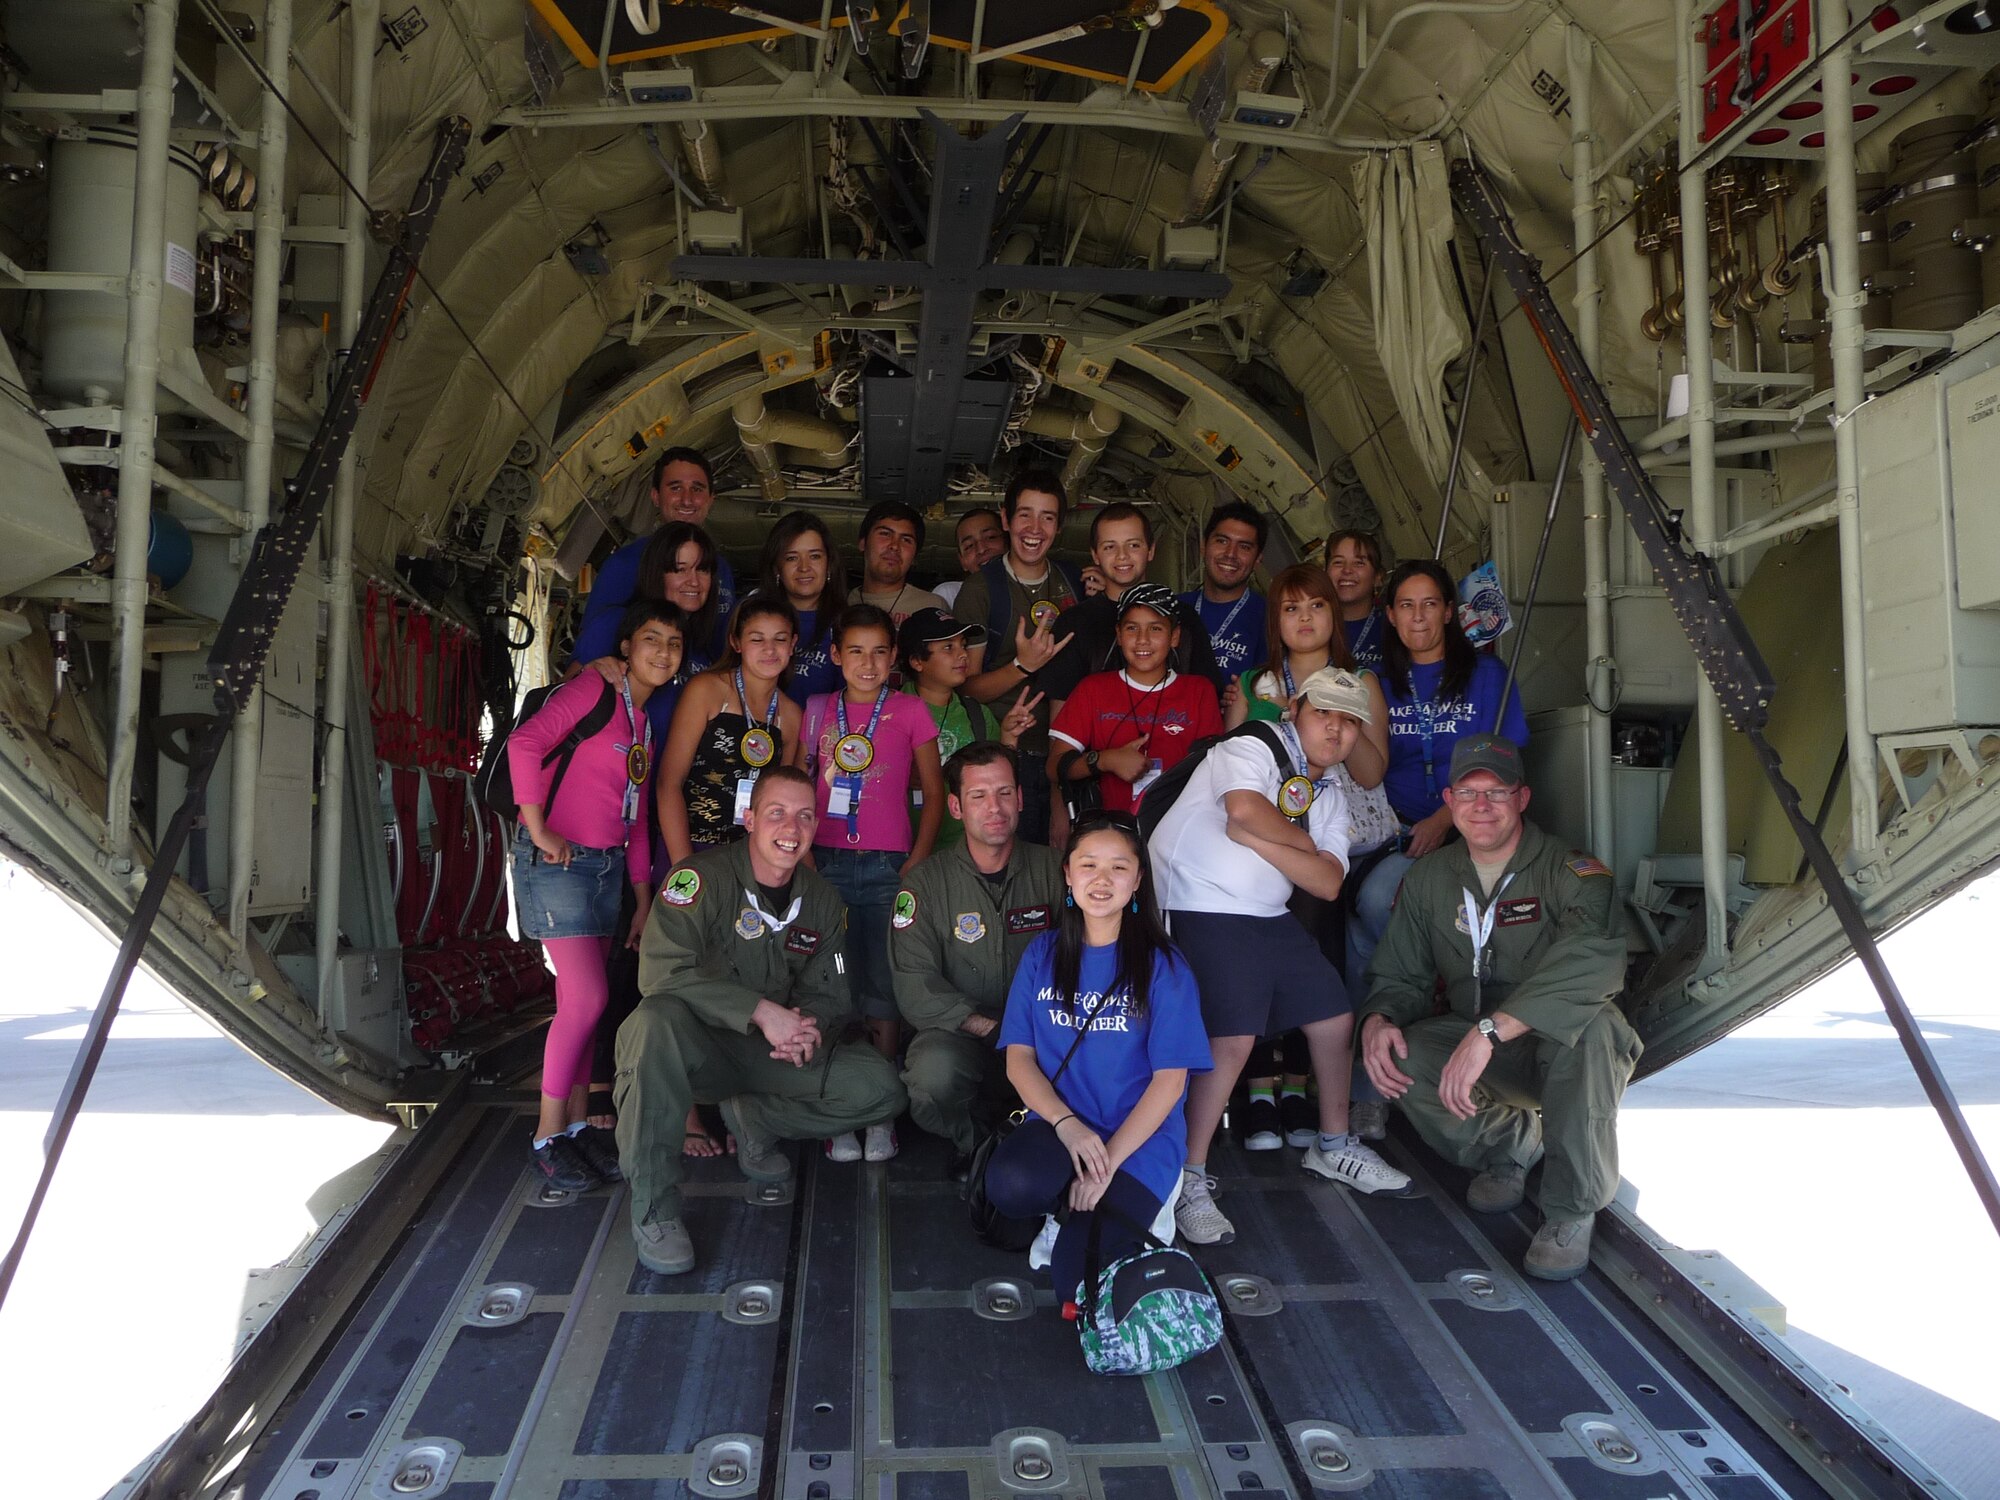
<point>1106,817</point>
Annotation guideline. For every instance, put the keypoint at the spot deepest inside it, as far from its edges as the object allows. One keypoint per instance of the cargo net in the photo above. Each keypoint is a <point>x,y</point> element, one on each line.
<point>447,851</point>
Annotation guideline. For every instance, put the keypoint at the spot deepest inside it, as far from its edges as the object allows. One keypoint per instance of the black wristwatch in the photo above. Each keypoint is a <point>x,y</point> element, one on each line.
<point>1090,759</point>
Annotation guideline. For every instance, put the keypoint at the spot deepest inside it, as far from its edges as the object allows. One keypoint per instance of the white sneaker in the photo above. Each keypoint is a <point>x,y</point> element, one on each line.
<point>1200,1221</point>
<point>844,1147</point>
<point>881,1143</point>
<point>1042,1254</point>
<point>1356,1165</point>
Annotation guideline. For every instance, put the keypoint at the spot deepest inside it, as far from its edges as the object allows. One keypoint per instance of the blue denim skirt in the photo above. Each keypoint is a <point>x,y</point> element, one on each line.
<point>577,900</point>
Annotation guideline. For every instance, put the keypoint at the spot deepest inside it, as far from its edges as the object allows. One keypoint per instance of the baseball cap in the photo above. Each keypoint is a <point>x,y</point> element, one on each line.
<point>1338,691</point>
<point>1487,752</point>
<point>929,626</point>
<point>1154,596</point>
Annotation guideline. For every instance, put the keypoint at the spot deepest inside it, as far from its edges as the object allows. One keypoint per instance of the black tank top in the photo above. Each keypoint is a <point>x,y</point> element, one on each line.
<point>718,764</point>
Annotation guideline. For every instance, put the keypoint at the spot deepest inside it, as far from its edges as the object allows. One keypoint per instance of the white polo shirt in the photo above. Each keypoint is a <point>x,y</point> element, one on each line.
<point>1198,867</point>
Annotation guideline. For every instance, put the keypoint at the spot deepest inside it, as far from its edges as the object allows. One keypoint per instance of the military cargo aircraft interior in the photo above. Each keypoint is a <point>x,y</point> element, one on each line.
<point>370,366</point>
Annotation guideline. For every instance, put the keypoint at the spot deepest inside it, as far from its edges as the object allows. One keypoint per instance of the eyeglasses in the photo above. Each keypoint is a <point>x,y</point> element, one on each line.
<point>1466,796</point>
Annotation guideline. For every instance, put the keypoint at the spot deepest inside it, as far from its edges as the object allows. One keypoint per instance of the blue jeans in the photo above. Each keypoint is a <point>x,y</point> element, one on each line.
<point>867,880</point>
<point>579,899</point>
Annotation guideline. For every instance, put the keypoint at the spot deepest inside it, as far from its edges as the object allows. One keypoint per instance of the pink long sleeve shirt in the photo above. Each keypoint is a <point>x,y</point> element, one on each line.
<point>590,806</point>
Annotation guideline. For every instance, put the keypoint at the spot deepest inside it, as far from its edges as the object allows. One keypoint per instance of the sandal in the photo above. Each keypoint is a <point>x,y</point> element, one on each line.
<point>598,1110</point>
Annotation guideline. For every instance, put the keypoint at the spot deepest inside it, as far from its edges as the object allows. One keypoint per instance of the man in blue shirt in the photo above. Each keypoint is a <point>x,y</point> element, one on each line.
<point>1230,610</point>
<point>683,490</point>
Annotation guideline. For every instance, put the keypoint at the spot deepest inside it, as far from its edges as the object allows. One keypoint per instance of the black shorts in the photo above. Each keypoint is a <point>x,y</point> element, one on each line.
<point>1259,976</point>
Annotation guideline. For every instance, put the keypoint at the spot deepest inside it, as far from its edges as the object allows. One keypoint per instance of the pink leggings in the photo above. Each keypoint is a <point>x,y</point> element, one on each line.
<point>581,994</point>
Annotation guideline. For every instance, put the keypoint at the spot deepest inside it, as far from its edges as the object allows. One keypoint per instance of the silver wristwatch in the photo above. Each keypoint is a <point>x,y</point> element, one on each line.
<point>1488,1030</point>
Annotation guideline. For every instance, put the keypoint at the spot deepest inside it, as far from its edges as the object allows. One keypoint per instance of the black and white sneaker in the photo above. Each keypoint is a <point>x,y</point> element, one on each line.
<point>599,1150</point>
<point>563,1166</point>
<point>1261,1126</point>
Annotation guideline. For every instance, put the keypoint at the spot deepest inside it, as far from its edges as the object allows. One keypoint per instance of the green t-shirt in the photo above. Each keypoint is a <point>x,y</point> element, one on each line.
<point>956,728</point>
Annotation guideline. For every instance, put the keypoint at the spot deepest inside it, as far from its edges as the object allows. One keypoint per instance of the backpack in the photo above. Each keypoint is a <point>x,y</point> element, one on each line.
<point>493,782</point>
<point>1168,786</point>
<point>1147,1312</point>
<point>1000,597</point>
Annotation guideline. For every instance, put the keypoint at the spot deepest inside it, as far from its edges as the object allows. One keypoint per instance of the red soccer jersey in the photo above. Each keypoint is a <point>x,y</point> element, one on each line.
<point>1108,710</point>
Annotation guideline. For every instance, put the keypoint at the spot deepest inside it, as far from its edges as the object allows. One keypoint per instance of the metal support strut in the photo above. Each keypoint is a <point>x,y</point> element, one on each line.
<point>236,662</point>
<point>1722,645</point>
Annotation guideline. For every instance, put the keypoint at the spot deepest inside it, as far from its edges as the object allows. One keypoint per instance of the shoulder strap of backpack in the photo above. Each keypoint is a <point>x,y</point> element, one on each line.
<point>584,728</point>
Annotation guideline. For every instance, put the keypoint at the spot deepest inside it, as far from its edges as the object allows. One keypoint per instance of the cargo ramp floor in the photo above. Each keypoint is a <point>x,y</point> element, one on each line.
<point>844,1337</point>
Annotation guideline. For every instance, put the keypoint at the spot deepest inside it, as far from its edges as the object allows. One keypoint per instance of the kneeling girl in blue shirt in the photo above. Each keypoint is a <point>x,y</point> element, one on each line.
<point>1106,1007</point>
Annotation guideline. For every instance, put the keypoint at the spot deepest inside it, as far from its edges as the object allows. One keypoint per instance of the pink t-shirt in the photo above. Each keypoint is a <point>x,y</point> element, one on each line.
<point>590,805</point>
<point>882,819</point>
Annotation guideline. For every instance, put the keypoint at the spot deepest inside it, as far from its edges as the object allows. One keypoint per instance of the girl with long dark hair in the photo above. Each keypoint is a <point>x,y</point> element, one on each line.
<point>1439,689</point>
<point>801,564</point>
<point>1103,1026</point>
<point>583,824</point>
<point>732,721</point>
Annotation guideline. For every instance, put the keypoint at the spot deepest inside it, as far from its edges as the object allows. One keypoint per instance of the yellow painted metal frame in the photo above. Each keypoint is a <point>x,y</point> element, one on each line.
<point>1218,27</point>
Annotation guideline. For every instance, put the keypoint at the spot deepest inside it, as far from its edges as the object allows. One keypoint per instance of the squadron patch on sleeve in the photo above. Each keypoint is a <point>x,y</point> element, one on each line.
<point>904,914</point>
<point>681,889</point>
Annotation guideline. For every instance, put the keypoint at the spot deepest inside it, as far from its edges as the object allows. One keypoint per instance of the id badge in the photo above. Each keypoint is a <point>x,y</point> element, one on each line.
<point>845,795</point>
<point>744,787</point>
<point>1153,769</point>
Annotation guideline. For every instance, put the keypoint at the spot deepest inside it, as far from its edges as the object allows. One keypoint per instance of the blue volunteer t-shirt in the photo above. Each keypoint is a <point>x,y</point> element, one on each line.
<point>618,585</point>
<point>1364,641</point>
<point>1235,630</point>
<point>1416,718</point>
<point>813,668</point>
<point>1116,1061</point>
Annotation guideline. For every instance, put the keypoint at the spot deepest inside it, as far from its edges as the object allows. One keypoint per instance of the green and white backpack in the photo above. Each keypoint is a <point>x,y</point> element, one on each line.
<point>1150,1311</point>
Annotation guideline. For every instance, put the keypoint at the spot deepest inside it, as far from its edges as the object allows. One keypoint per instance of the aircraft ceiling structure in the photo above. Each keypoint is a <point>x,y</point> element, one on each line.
<point>557,258</point>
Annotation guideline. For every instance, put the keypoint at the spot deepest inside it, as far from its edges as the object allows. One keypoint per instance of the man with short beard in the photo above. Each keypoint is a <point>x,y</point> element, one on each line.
<point>892,534</point>
<point>962,921</point>
<point>745,991</point>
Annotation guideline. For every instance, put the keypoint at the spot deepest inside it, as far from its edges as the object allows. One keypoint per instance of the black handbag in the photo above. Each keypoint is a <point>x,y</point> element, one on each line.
<point>1003,1231</point>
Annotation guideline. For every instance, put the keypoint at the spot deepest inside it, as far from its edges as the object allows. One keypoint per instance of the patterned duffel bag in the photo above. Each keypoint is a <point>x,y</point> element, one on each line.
<point>1149,1311</point>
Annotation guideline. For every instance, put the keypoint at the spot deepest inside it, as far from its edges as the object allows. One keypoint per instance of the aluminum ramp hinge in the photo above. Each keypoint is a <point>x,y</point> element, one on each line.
<point>1693,583</point>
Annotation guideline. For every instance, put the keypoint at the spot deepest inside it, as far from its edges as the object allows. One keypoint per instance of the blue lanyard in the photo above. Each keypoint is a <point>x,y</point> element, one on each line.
<point>641,737</point>
<point>1290,735</point>
<point>1427,711</point>
<point>854,777</point>
<point>1370,628</point>
<point>1291,687</point>
<point>770,714</point>
<point>840,714</point>
<point>1217,632</point>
